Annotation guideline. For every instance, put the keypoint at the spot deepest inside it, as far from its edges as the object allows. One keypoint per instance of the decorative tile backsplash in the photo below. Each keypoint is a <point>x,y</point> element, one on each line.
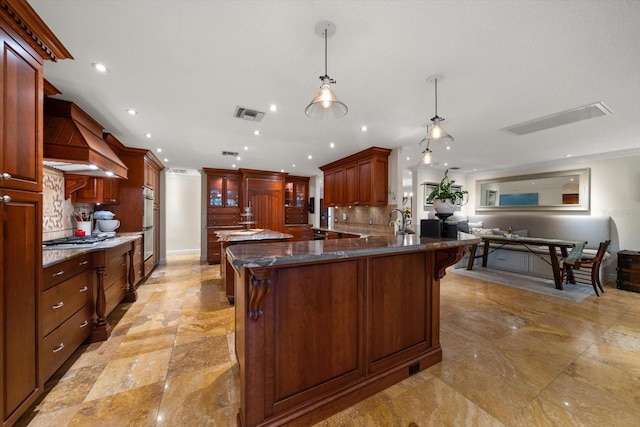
<point>56,211</point>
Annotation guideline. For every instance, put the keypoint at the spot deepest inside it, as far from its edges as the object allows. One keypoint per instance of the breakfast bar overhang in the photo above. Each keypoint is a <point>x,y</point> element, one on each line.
<point>320,325</point>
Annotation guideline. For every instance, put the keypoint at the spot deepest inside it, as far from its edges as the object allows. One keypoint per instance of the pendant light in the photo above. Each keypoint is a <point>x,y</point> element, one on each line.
<point>325,105</point>
<point>436,132</point>
<point>427,156</point>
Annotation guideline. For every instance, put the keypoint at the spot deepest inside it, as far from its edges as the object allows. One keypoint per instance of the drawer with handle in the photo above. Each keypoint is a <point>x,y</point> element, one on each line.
<point>58,346</point>
<point>61,271</point>
<point>61,301</point>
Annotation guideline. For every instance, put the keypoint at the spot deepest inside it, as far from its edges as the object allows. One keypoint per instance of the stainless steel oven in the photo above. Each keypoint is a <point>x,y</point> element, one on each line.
<point>147,221</point>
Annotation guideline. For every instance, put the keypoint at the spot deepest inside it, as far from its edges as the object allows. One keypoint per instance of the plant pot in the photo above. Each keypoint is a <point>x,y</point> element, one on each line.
<point>443,206</point>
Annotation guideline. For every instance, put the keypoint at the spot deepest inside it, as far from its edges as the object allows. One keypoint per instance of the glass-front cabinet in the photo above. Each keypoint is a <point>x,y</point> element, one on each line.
<point>296,191</point>
<point>224,191</point>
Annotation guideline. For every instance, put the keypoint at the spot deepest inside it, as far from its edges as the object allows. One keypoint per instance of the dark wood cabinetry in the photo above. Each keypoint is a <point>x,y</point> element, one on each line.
<point>264,192</point>
<point>223,207</point>
<point>628,271</point>
<point>67,311</point>
<point>299,232</point>
<point>26,42</point>
<point>296,193</point>
<point>94,190</point>
<point>144,172</point>
<point>358,180</point>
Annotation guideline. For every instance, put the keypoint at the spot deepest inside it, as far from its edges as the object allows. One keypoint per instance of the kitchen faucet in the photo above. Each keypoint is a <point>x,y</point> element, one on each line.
<point>403,229</point>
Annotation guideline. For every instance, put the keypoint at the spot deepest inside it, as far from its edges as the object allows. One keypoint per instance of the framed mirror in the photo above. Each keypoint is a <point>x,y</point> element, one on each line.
<point>552,191</point>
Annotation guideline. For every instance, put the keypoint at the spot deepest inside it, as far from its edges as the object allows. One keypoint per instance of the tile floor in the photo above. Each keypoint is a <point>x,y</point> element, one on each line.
<point>511,358</point>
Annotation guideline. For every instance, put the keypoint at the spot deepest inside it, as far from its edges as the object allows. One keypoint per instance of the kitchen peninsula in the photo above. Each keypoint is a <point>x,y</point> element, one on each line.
<point>235,237</point>
<point>321,325</point>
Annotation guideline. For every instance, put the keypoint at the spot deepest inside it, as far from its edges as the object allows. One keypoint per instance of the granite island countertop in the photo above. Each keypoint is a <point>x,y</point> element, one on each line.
<point>251,234</point>
<point>52,255</point>
<point>362,230</point>
<point>285,253</point>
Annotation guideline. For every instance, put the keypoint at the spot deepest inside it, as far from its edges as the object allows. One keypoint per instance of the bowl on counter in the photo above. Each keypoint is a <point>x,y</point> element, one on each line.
<point>102,215</point>
<point>108,224</point>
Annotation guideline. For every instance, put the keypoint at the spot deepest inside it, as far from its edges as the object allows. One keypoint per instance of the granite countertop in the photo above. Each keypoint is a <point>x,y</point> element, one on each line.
<point>251,234</point>
<point>52,255</point>
<point>285,253</point>
<point>362,230</point>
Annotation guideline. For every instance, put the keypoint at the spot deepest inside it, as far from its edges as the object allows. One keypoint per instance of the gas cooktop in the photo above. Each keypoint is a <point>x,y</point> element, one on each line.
<point>76,240</point>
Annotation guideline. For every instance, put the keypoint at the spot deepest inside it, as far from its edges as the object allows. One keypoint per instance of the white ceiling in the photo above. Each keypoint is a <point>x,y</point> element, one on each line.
<point>186,65</point>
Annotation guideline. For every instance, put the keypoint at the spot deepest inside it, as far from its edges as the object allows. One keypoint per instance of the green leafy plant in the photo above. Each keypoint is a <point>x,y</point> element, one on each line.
<point>444,191</point>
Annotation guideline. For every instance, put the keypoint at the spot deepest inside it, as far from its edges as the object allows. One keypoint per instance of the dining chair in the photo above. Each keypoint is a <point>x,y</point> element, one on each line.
<point>587,263</point>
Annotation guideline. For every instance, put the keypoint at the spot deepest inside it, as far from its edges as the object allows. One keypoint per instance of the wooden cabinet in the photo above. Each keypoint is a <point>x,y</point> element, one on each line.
<point>67,311</point>
<point>264,192</point>
<point>223,207</point>
<point>299,232</point>
<point>358,180</point>
<point>26,41</point>
<point>138,262</point>
<point>94,190</point>
<point>628,271</point>
<point>296,191</point>
<point>144,171</point>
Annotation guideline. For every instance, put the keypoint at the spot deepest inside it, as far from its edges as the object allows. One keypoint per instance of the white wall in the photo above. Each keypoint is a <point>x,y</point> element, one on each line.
<point>183,198</point>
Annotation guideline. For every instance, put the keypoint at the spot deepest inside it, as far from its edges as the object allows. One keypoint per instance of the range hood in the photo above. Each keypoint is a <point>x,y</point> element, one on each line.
<point>73,142</point>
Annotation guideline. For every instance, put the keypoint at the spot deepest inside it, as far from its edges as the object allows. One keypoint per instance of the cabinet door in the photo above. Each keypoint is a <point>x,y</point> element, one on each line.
<point>20,117</point>
<point>111,191</point>
<point>20,278</point>
<point>215,185</point>
<point>266,200</point>
<point>334,187</point>
<point>351,184</point>
<point>365,196</point>
<point>231,191</point>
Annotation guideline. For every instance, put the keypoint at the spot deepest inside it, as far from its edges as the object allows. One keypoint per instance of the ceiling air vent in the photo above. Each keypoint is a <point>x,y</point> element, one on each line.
<point>558,119</point>
<point>248,114</point>
<point>230,153</point>
<point>175,171</point>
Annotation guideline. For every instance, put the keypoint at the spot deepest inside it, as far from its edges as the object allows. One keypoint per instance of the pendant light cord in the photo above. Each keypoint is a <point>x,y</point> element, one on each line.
<point>436,97</point>
<point>325,51</point>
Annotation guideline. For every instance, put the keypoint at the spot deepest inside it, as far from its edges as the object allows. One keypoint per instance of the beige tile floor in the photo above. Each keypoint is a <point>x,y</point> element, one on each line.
<point>511,358</point>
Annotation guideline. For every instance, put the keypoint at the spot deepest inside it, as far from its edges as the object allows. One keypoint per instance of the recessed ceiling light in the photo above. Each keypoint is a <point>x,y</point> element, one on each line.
<point>246,148</point>
<point>410,172</point>
<point>148,135</point>
<point>256,132</point>
<point>332,144</point>
<point>159,150</point>
<point>100,67</point>
<point>309,157</point>
<point>166,160</point>
<point>273,107</point>
<point>567,155</point>
<point>281,170</point>
<point>446,164</point>
<point>363,128</point>
<point>238,158</point>
<point>408,158</point>
<point>233,166</point>
<point>131,111</point>
<point>293,165</point>
<point>448,147</point>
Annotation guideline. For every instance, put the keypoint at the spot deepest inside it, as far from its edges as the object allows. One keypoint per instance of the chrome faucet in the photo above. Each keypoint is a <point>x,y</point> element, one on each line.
<point>403,228</point>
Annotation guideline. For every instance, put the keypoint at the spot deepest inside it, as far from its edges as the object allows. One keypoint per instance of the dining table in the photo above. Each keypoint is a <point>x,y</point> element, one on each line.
<point>533,245</point>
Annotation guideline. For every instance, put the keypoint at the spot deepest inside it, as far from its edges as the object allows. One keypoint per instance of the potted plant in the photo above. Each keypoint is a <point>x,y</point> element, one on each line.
<point>445,198</point>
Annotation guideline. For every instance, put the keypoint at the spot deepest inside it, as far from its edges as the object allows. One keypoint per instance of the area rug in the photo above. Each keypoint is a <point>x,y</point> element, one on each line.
<point>539,285</point>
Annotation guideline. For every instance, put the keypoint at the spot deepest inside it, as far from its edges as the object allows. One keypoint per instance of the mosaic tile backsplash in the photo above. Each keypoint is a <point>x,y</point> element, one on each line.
<point>56,211</point>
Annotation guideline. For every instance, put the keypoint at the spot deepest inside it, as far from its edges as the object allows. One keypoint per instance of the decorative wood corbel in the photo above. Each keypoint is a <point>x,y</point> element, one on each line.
<point>73,183</point>
<point>258,289</point>
<point>446,257</point>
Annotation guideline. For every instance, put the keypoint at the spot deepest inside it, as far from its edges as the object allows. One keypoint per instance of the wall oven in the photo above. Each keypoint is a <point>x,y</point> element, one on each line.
<point>147,221</point>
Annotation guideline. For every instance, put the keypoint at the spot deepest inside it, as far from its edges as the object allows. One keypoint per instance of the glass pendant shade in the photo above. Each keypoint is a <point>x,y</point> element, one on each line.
<point>325,105</point>
<point>427,158</point>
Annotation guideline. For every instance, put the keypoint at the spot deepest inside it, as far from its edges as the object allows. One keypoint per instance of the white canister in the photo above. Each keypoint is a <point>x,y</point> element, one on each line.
<point>85,226</point>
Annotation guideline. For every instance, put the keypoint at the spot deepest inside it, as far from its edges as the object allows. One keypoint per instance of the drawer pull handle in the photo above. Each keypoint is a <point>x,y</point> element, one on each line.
<point>85,262</point>
<point>83,324</point>
<point>58,273</point>
<point>85,288</point>
<point>58,305</point>
<point>58,348</point>
<point>5,175</point>
<point>5,199</point>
